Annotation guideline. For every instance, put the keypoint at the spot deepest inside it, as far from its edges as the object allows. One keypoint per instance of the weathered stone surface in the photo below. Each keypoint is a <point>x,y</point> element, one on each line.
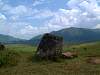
<point>2,47</point>
<point>50,46</point>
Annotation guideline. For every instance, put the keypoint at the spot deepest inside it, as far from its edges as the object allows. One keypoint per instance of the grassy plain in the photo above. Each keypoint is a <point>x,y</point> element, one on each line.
<point>76,66</point>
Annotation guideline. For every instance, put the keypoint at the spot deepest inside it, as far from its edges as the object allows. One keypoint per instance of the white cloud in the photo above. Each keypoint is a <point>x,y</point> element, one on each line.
<point>1,4</point>
<point>97,26</point>
<point>42,14</point>
<point>18,29</point>
<point>27,31</point>
<point>19,10</point>
<point>63,19</point>
<point>6,7</point>
<point>73,3</point>
<point>38,2</point>
<point>80,13</point>
<point>2,17</point>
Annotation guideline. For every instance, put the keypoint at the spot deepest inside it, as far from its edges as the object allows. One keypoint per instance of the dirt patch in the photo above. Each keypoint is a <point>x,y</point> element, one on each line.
<point>93,60</point>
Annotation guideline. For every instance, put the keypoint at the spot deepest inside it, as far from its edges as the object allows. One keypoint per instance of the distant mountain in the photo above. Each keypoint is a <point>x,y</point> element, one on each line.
<point>70,35</point>
<point>8,39</point>
<point>35,40</point>
<point>73,35</point>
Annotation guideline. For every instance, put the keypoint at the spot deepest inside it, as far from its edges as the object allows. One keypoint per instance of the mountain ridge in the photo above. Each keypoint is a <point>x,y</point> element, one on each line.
<point>8,39</point>
<point>70,35</point>
<point>74,35</point>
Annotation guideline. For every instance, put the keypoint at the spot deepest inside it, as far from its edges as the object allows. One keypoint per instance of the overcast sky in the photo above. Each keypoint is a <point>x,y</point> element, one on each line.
<point>28,18</point>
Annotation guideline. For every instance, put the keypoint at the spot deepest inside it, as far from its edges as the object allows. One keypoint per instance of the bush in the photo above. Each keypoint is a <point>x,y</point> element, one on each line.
<point>8,58</point>
<point>85,48</point>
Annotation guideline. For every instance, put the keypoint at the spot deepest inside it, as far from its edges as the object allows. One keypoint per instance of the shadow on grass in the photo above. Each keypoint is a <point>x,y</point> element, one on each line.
<point>36,59</point>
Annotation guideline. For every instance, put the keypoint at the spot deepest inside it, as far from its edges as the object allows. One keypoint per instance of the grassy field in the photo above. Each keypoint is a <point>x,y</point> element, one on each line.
<point>76,66</point>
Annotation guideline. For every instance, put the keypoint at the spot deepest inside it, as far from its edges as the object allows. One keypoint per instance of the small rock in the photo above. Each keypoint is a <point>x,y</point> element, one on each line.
<point>69,55</point>
<point>94,60</point>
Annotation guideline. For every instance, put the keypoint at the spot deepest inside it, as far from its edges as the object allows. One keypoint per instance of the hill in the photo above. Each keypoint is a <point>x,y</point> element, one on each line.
<point>8,39</point>
<point>74,35</point>
<point>71,36</point>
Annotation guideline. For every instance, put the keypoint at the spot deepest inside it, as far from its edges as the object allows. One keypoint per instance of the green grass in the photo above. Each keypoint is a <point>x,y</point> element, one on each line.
<point>8,58</point>
<point>21,48</point>
<point>76,66</point>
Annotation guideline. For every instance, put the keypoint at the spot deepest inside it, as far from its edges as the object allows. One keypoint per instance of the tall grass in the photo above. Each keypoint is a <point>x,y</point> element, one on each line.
<point>8,58</point>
